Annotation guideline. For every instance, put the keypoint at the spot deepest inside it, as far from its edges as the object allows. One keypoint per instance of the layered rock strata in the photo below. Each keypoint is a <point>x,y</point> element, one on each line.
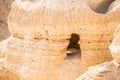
<point>37,22</point>
<point>108,70</point>
<point>40,32</point>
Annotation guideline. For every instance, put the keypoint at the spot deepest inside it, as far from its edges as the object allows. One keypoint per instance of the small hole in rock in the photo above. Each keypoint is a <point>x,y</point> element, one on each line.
<point>73,49</point>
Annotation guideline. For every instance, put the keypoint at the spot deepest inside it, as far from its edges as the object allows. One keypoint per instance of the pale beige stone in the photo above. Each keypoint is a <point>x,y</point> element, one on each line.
<point>115,6</point>
<point>108,70</point>
<point>105,71</point>
<point>40,32</point>
<point>28,26</point>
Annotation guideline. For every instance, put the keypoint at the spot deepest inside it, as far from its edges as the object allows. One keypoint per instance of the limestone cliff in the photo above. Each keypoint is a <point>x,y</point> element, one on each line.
<point>115,6</point>
<point>56,20</point>
<point>115,46</point>
<point>40,32</point>
<point>105,71</point>
<point>108,70</point>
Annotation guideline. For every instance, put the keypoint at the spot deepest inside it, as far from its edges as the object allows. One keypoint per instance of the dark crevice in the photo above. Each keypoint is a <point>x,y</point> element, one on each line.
<point>73,48</point>
<point>103,7</point>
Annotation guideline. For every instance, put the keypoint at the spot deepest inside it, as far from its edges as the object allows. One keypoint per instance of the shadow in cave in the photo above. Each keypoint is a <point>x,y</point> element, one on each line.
<point>73,49</point>
<point>104,6</point>
<point>5,6</point>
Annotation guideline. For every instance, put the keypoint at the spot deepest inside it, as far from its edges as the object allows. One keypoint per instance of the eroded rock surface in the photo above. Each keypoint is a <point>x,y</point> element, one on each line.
<point>56,21</point>
<point>40,32</point>
<point>108,70</point>
<point>105,71</point>
<point>115,46</point>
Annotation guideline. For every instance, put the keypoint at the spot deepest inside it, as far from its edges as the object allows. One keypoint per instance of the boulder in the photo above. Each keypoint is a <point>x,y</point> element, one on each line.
<point>115,6</point>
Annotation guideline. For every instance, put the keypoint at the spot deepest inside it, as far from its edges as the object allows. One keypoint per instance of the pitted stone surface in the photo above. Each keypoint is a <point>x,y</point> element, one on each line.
<point>40,32</point>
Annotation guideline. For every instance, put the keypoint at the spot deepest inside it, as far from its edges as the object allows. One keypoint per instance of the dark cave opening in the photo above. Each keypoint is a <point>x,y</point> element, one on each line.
<point>73,49</point>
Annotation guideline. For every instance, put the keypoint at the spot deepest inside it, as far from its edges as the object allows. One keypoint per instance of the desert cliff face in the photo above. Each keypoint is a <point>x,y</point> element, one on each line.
<point>107,70</point>
<point>115,45</point>
<point>40,31</point>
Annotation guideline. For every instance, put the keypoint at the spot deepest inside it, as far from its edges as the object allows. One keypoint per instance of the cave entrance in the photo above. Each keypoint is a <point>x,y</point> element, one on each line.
<point>73,49</point>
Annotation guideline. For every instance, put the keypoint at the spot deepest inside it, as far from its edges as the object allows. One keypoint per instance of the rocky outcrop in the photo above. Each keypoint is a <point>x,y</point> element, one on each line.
<point>105,71</point>
<point>108,70</point>
<point>40,32</point>
<point>73,17</point>
<point>115,46</point>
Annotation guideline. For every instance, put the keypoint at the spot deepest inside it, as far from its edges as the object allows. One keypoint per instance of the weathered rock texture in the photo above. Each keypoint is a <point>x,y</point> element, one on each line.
<point>40,30</point>
<point>4,11</point>
<point>105,71</point>
<point>108,70</point>
<point>115,46</point>
<point>115,6</point>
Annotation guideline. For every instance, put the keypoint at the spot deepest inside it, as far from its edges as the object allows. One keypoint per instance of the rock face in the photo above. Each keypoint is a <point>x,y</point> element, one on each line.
<point>115,6</point>
<point>108,70</point>
<point>73,17</point>
<point>115,46</point>
<point>105,71</point>
<point>40,32</point>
